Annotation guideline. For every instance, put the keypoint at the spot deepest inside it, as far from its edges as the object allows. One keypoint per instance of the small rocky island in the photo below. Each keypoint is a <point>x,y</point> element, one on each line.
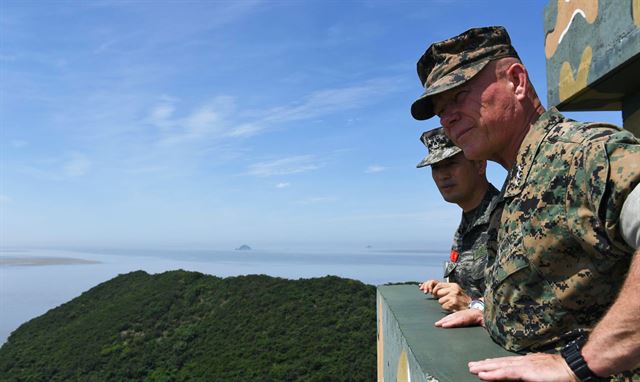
<point>243,247</point>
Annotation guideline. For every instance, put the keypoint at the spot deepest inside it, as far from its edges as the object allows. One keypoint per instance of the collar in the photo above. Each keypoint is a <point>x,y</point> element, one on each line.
<point>517,177</point>
<point>481,214</point>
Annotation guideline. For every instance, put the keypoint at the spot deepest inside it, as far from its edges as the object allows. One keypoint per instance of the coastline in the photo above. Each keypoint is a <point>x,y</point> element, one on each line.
<point>37,280</point>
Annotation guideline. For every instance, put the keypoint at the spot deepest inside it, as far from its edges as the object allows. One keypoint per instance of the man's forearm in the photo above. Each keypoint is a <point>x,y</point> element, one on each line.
<point>614,344</point>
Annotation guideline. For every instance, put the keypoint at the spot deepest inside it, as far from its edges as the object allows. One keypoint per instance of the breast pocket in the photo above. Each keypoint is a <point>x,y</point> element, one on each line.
<point>511,260</point>
<point>507,281</point>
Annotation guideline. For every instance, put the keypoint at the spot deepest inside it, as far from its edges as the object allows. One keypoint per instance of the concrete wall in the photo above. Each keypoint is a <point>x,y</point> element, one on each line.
<point>411,348</point>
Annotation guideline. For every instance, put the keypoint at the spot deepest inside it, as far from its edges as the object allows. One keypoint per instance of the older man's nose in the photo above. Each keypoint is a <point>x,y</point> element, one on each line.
<point>448,118</point>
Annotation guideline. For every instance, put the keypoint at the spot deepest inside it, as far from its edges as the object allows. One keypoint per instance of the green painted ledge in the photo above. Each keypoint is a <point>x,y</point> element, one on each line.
<point>411,348</point>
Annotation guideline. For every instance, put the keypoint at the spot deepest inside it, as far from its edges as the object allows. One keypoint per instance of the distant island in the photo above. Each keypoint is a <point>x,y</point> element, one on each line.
<point>243,247</point>
<point>187,326</point>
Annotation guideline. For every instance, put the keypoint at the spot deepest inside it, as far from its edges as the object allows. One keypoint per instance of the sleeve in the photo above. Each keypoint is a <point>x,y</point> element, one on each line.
<point>630,219</point>
<point>614,170</point>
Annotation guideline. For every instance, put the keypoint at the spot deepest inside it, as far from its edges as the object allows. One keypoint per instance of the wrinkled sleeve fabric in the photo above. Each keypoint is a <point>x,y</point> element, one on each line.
<point>612,172</point>
<point>630,219</point>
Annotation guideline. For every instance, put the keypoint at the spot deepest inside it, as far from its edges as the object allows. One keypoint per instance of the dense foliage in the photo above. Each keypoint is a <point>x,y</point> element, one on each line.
<point>179,326</point>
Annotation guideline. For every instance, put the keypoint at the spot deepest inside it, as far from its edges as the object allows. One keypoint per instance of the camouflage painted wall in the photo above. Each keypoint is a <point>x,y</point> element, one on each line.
<point>593,53</point>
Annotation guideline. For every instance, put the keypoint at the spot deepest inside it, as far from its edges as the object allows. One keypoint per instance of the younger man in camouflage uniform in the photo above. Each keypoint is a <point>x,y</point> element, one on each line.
<point>463,182</point>
<point>564,251</point>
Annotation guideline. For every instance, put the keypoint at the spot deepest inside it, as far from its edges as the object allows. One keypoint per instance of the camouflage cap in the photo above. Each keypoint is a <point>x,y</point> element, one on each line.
<point>439,145</point>
<point>452,62</point>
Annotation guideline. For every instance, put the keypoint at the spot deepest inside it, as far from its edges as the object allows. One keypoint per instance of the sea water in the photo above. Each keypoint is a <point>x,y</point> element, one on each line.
<point>32,281</point>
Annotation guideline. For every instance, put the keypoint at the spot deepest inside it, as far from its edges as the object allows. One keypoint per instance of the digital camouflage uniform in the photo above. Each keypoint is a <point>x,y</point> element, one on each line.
<point>468,252</point>
<point>469,249</point>
<point>559,259</point>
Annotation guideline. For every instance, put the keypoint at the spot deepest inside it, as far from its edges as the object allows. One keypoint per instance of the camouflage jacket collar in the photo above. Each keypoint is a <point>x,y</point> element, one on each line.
<point>517,177</point>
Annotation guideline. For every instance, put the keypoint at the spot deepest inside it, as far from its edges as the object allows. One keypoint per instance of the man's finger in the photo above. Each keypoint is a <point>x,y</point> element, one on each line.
<point>500,375</point>
<point>492,363</point>
<point>444,300</point>
<point>427,286</point>
<point>440,289</point>
<point>450,321</point>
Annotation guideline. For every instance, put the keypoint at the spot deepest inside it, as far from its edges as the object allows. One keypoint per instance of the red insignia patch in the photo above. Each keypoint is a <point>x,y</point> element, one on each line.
<point>453,256</point>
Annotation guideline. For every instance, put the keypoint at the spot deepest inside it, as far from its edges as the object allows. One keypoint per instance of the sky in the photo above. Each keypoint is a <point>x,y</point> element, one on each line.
<point>212,124</point>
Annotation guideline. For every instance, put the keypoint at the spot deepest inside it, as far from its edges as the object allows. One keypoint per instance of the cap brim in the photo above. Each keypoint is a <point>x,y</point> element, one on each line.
<point>422,108</point>
<point>440,155</point>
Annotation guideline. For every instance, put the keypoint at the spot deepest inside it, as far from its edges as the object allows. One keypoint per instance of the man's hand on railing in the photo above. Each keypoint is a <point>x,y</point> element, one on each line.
<point>534,367</point>
<point>450,295</point>
<point>467,317</point>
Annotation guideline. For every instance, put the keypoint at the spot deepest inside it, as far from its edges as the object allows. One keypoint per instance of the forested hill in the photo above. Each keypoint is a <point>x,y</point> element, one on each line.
<point>179,326</point>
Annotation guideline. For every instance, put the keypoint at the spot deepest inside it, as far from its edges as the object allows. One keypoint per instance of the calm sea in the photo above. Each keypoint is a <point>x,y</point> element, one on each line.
<point>27,291</point>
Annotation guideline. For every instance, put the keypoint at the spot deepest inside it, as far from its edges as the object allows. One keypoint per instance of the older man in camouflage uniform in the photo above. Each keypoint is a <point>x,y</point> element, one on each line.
<point>463,182</point>
<point>566,247</point>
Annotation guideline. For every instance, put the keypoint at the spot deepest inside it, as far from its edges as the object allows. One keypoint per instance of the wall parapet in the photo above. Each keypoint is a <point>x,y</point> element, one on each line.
<point>411,348</point>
